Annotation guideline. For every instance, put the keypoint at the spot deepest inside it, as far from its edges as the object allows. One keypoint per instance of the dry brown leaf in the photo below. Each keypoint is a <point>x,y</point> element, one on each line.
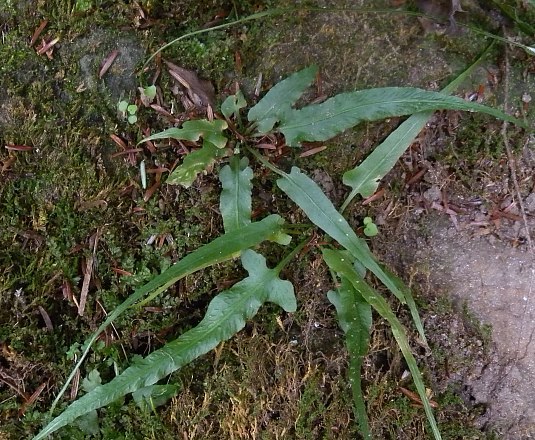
<point>200,92</point>
<point>106,64</point>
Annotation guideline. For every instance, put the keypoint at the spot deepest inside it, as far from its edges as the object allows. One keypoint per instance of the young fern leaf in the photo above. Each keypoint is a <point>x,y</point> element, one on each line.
<point>211,131</point>
<point>226,315</point>
<point>409,299</point>
<point>233,104</point>
<point>235,200</point>
<point>339,264</point>
<point>280,98</point>
<point>199,160</point>
<point>194,163</point>
<point>323,121</point>
<point>355,319</point>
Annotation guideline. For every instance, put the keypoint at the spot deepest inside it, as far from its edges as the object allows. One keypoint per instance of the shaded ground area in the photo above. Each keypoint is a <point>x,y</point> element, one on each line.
<point>75,218</point>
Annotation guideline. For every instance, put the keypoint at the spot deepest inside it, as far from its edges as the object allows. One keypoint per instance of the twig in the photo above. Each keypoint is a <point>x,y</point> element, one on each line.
<point>512,169</point>
<point>510,157</point>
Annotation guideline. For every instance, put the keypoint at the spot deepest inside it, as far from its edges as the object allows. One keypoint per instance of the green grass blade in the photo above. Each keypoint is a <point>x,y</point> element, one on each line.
<point>235,200</point>
<point>256,16</point>
<point>318,208</point>
<point>323,121</point>
<point>223,248</point>
<point>280,98</point>
<point>355,319</point>
<point>226,315</point>
<point>364,179</point>
<point>337,263</point>
<point>194,163</point>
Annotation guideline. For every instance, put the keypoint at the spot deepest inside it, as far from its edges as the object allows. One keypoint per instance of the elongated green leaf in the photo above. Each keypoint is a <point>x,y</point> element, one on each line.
<point>233,104</point>
<point>223,248</point>
<point>211,131</point>
<point>323,121</point>
<point>235,200</point>
<point>318,208</point>
<point>364,179</point>
<point>226,315</point>
<point>280,98</point>
<point>336,261</point>
<point>355,319</point>
<point>195,162</point>
<point>410,303</point>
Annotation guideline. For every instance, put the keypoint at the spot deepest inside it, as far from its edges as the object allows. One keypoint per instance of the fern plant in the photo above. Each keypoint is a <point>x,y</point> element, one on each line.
<point>348,256</point>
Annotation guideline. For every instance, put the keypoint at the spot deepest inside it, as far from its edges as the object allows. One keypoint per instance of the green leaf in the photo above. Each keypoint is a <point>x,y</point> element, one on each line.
<point>153,396</point>
<point>132,109</point>
<point>150,91</point>
<point>364,179</point>
<point>235,200</point>
<point>280,98</point>
<point>232,105</point>
<point>223,248</point>
<point>323,121</point>
<point>122,106</point>
<point>370,229</point>
<point>410,303</point>
<point>355,319</point>
<point>92,381</point>
<point>337,263</point>
<point>210,131</point>
<point>318,208</point>
<point>132,119</point>
<point>194,163</point>
<point>226,315</point>
<point>89,423</point>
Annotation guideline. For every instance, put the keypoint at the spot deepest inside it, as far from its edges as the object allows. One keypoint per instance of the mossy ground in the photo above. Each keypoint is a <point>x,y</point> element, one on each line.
<point>284,375</point>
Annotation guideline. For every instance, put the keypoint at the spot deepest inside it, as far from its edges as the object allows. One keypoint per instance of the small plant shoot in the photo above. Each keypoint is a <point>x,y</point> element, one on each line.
<point>370,228</point>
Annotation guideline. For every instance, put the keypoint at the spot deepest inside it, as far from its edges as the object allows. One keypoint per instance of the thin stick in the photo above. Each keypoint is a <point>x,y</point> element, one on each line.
<point>512,169</point>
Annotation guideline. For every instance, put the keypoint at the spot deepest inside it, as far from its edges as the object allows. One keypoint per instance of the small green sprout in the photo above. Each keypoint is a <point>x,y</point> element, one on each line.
<point>128,111</point>
<point>370,228</point>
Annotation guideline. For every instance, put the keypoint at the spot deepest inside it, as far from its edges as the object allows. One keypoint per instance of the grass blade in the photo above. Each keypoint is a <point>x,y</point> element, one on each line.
<point>226,315</point>
<point>323,121</point>
<point>355,319</point>
<point>223,248</point>
<point>235,200</point>
<point>337,263</point>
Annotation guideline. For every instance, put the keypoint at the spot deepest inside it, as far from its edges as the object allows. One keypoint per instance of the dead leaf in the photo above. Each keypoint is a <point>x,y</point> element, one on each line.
<point>106,64</point>
<point>38,32</point>
<point>200,92</point>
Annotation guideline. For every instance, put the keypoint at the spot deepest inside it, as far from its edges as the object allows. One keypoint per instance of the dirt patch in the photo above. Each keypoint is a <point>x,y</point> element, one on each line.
<point>495,282</point>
